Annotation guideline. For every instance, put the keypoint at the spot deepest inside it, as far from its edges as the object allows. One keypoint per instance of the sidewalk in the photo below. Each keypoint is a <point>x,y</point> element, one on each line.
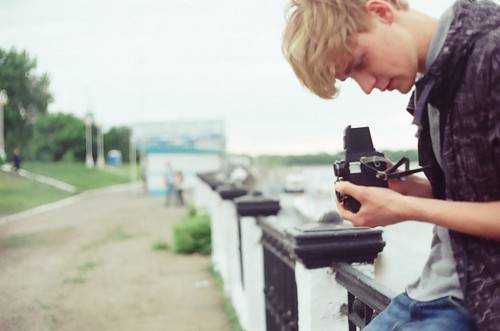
<point>90,266</point>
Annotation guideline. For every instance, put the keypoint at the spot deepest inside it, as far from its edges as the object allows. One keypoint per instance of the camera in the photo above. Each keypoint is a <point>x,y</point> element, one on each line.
<point>362,164</point>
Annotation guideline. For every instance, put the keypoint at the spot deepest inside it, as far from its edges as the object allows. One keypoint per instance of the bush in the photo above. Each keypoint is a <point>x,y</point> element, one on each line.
<point>192,234</point>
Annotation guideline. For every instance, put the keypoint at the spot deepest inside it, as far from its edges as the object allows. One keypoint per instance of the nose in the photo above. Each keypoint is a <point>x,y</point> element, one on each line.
<point>365,81</point>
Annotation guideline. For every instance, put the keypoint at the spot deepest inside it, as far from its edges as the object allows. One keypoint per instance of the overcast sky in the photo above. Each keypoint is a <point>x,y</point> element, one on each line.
<point>154,60</point>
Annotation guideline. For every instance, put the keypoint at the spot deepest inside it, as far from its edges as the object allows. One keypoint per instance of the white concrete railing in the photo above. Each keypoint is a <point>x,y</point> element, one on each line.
<point>320,300</point>
<point>248,298</point>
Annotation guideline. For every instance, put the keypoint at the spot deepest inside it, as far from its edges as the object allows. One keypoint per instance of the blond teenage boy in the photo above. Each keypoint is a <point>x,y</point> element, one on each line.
<point>383,44</point>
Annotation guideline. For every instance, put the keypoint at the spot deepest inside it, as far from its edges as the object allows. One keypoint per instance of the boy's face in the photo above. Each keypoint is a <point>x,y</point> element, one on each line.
<point>384,58</point>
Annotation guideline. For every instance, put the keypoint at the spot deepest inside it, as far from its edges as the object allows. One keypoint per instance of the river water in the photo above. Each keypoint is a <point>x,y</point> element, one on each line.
<point>407,243</point>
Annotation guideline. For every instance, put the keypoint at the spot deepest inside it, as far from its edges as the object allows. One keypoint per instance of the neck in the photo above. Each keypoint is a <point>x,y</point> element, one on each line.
<point>421,27</point>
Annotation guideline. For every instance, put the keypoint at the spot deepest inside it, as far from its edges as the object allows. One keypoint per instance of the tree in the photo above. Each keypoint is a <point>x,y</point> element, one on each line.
<point>28,95</point>
<point>57,137</point>
<point>118,138</point>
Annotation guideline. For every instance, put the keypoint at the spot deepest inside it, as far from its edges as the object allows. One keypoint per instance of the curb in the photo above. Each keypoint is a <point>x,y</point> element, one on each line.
<point>67,201</point>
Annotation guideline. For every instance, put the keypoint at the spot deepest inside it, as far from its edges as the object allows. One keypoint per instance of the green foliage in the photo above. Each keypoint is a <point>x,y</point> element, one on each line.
<point>191,211</point>
<point>228,307</point>
<point>61,137</point>
<point>160,245</point>
<point>118,138</point>
<point>306,159</point>
<point>395,156</point>
<point>324,158</point>
<point>28,95</point>
<point>58,137</point>
<point>192,234</point>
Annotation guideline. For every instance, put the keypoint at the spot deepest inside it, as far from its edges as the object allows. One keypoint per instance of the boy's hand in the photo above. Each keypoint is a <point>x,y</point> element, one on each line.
<point>379,206</point>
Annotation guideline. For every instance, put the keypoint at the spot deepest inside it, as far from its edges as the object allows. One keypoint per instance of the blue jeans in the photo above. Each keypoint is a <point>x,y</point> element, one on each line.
<point>406,314</point>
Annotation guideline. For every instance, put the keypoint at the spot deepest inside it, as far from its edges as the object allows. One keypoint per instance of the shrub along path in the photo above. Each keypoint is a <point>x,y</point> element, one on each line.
<point>92,266</point>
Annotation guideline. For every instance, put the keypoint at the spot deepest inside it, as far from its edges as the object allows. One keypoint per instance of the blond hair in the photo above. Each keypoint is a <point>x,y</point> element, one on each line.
<point>319,30</point>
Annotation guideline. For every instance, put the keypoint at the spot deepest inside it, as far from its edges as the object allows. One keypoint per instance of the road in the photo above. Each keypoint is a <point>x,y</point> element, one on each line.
<point>90,266</point>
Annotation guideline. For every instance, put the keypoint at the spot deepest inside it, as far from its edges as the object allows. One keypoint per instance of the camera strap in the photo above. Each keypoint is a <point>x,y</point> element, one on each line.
<point>392,172</point>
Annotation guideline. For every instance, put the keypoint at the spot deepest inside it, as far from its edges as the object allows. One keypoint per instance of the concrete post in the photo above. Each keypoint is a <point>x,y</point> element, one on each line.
<point>100,147</point>
<point>89,160</point>
<point>3,101</point>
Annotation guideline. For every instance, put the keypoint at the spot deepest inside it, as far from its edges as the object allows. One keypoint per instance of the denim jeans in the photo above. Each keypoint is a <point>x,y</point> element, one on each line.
<point>406,314</point>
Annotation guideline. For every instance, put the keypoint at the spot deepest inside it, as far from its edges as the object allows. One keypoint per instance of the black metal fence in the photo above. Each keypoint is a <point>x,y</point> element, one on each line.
<point>365,297</point>
<point>280,287</point>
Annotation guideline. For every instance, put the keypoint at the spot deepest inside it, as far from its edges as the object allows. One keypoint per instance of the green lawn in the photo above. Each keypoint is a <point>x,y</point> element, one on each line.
<point>17,193</point>
<point>80,176</point>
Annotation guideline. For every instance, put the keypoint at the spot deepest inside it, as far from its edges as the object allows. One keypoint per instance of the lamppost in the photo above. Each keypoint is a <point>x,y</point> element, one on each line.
<point>132,158</point>
<point>89,159</point>
<point>100,146</point>
<point>3,101</point>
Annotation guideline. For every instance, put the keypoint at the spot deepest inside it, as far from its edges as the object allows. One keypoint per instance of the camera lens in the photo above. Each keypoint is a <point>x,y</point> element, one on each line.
<point>339,168</point>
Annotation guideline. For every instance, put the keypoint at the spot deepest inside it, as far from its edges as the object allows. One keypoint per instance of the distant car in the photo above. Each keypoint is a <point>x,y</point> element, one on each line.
<point>294,183</point>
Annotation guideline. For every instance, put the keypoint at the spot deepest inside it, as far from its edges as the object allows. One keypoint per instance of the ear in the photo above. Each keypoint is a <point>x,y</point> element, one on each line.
<point>381,9</point>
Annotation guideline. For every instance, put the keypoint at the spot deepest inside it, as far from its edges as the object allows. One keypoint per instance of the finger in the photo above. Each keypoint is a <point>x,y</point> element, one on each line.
<point>345,213</point>
<point>347,188</point>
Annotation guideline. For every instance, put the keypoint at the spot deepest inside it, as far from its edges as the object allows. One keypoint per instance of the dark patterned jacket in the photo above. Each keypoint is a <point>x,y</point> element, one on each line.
<point>464,84</point>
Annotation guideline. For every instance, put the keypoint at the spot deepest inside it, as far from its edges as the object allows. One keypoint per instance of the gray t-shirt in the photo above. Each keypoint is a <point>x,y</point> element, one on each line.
<point>439,277</point>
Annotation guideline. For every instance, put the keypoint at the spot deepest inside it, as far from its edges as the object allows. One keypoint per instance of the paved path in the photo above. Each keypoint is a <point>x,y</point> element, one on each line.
<point>90,266</point>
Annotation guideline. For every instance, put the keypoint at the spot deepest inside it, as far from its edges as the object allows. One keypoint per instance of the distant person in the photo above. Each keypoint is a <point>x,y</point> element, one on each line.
<point>178,188</point>
<point>169,183</point>
<point>16,160</point>
<point>144,175</point>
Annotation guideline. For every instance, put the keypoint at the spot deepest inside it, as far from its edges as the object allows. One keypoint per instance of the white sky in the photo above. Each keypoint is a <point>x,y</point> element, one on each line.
<point>155,60</point>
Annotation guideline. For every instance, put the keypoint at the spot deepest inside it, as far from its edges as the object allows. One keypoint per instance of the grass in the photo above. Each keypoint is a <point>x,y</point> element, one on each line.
<point>118,233</point>
<point>49,316</point>
<point>20,241</point>
<point>228,307</point>
<point>160,245</point>
<point>81,273</point>
<point>18,194</point>
<point>192,234</point>
<point>78,175</point>
<point>123,170</point>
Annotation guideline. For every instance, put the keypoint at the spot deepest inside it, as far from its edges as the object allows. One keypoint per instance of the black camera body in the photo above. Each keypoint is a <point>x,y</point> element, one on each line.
<point>360,165</point>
